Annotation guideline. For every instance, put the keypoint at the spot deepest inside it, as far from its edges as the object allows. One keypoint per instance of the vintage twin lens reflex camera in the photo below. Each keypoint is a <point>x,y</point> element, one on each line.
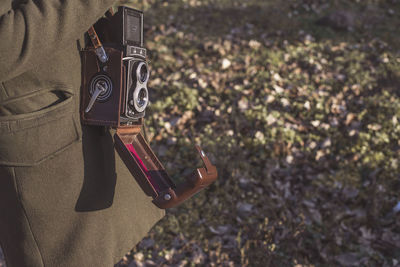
<point>114,90</point>
<point>114,85</point>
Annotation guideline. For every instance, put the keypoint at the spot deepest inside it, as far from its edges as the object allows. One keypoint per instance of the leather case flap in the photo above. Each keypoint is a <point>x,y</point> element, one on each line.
<point>151,175</point>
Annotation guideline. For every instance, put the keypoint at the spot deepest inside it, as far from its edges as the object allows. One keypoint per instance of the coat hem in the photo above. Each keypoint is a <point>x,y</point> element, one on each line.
<point>26,217</point>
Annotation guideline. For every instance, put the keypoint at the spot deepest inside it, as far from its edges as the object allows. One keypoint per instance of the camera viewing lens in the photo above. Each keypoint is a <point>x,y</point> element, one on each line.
<point>143,73</point>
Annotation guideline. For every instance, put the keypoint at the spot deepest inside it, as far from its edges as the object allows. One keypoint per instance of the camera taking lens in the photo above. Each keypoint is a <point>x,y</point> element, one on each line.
<point>142,98</point>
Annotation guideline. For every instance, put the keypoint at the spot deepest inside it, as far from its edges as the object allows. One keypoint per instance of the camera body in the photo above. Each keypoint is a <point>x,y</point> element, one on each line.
<point>114,92</point>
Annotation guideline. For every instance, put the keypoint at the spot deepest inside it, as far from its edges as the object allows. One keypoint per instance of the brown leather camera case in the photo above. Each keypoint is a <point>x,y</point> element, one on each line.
<point>105,113</point>
<point>151,174</point>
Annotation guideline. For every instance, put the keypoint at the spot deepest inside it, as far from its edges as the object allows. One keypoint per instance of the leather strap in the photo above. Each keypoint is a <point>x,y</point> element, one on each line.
<point>94,38</point>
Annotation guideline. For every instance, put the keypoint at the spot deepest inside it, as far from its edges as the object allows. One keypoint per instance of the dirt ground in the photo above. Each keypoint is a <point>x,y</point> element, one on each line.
<point>297,103</point>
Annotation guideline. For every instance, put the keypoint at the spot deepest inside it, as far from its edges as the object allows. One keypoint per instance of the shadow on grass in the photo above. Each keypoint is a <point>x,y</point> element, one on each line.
<point>339,20</point>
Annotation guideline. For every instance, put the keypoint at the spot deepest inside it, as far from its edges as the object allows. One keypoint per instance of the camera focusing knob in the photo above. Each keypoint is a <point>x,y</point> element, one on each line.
<point>100,89</point>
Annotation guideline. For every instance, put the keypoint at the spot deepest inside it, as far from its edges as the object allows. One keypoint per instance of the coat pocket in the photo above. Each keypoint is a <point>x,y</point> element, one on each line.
<point>29,139</point>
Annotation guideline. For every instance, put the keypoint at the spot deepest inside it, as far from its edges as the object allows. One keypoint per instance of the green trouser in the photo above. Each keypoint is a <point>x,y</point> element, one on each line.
<point>66,198</point>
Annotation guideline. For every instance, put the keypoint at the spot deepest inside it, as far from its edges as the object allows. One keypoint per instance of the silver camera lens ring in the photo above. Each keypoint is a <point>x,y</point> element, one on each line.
<point>140,98</point>
<point>106,82</point>
<point>142,73</point>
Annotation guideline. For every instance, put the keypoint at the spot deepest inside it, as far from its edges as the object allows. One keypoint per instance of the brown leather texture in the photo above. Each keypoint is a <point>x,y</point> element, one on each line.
<point>197,181</point>
<point>131,164</point>
<point>105,113</point>
<point>156,169</point>
<point>166,194</point>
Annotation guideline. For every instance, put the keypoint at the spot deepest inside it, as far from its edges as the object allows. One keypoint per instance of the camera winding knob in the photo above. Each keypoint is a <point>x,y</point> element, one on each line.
<point>100,90</point>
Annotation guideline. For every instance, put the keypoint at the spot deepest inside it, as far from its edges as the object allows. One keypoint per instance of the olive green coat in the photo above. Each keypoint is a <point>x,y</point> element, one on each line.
<point>66,198</point>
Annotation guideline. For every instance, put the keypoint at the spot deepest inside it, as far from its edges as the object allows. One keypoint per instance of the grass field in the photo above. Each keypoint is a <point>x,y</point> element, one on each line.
<point>297,103</point>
